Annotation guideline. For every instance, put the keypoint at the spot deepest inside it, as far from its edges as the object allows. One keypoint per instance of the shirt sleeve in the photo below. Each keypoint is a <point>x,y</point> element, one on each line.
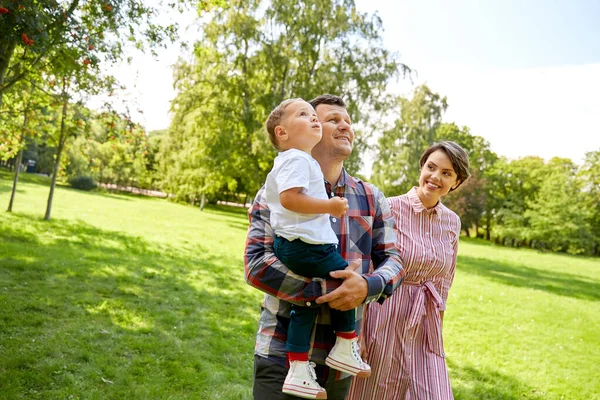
<point>264,271</point>
<point>449,277</point>
<point>293,172</point>
<point>388,272</point>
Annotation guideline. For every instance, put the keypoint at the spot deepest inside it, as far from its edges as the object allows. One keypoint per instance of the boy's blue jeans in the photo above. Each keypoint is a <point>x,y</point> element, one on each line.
<point>311,261</point>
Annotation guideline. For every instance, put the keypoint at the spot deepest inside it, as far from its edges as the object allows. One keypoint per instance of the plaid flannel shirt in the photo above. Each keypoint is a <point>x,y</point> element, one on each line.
<point>366,233</point>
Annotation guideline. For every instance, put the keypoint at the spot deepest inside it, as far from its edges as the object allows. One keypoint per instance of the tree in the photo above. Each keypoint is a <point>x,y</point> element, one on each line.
<point>590,181</point>
<point>254,54</point>
<point>556,218</point>
<point>33,31</point>
<point>27,105</point>
<point>515,184</point>
<point>396,168</point>
<point>471,202</point>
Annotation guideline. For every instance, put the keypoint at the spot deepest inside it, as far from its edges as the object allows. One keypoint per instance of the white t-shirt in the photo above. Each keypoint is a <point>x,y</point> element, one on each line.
<point>295,168</point>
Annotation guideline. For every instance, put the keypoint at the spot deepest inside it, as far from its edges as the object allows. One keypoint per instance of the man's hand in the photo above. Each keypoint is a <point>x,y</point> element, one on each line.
<point>337,206</point>
<point>350,294</point>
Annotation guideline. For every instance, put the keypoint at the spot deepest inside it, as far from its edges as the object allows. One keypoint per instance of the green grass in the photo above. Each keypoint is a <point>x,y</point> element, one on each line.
<point>126,297</point>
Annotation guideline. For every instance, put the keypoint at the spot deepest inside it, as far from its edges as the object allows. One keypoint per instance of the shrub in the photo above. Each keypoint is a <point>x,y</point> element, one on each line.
<point>83,183</point>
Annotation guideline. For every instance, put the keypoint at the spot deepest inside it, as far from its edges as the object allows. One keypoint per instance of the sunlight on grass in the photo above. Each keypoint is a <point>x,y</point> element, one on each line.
<point>121,316</point>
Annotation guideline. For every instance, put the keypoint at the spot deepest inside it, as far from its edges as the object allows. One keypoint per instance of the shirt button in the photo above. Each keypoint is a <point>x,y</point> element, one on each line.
<point>334,219</point>
<point>308,303</point>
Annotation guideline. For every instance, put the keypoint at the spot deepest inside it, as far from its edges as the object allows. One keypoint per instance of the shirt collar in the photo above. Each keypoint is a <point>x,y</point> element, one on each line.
<point>344,180</point>
<point>417,204</point>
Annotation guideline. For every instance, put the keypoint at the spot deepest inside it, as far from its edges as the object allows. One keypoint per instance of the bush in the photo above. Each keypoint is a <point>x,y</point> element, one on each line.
<point>83,183</point>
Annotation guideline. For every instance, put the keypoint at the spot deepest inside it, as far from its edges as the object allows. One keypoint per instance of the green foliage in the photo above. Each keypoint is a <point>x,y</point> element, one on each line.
<point>83,183</point>
<point>556,217</point>
<point>113,149</point>
<point>72,34</point>
<point>589,175</point>
<point>254,54</point>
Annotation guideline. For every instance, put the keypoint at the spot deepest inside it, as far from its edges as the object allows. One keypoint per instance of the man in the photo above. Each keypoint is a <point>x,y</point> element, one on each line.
<point>366,239</point>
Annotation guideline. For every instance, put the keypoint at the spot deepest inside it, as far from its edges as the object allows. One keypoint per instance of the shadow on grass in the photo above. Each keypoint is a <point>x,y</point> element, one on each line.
<point>560,283</point>
<point>81,303</point>
<point>470,383</point>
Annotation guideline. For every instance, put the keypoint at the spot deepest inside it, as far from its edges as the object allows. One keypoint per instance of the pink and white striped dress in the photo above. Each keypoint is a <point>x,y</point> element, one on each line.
<point>403,336</point>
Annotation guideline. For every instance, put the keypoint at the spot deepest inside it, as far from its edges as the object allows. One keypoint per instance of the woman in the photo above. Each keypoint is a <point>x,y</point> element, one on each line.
<point>403,336</point>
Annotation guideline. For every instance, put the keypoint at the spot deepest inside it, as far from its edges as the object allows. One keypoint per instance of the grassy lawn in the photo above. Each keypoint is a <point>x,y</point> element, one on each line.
<point>126,297</point>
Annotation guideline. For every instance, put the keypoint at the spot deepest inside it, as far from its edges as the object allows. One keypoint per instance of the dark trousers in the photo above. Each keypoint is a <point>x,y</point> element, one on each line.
<point>269,377</point>
<point>311,261</point>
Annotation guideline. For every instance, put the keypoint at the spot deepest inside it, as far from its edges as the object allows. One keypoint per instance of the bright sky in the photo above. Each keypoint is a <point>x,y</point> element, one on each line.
<point>525,75</point>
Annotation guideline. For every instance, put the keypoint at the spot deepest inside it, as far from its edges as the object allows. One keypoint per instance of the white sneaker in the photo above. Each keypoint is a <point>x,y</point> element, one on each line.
<point>345,357</point>
<point>301,381</point>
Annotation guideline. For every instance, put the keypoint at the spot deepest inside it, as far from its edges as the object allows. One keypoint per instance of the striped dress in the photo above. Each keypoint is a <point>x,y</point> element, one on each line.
<point>403,336</point>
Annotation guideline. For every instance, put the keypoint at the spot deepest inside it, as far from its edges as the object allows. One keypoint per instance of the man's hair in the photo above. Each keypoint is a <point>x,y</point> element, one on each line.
<point>457,155</point>
<point>327,99</point>
<point>275,119</point>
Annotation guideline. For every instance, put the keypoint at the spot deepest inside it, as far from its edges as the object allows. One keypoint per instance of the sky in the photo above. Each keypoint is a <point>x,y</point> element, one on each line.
<point>525,75</point>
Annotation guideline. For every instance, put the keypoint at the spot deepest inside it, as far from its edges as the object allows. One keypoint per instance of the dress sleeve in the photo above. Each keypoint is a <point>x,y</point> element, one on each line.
<point>263,270</point>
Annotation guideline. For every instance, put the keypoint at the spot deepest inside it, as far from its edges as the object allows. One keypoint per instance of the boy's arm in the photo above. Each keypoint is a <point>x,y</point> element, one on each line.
<point>294,200</point>
<point>263,270</point>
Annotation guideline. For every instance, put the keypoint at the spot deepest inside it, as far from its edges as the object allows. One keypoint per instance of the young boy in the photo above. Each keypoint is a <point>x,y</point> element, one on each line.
<point>305,242</point>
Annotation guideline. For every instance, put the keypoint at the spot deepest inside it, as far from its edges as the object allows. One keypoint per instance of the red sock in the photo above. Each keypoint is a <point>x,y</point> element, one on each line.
<point>346,335</point>
<point>292,356</point>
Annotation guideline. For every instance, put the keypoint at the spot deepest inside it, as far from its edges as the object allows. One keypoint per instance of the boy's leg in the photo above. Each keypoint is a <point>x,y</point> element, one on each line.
<point>343,321</point>
<point>310,260</point>
<point>302,320</point>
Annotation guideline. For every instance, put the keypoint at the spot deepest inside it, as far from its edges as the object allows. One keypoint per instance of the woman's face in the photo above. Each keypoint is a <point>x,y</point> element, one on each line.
<point>437,178</point>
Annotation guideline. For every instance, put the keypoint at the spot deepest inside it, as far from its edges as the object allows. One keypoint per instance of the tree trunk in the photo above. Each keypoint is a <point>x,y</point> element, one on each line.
<point>202,201</point>
<point>61,145</point>
<point>15,181</point>
<point>7,50</point>
<point>18,162</point>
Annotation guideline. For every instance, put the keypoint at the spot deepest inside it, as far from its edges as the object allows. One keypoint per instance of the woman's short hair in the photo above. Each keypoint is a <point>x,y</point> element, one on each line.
<point>457,155</point>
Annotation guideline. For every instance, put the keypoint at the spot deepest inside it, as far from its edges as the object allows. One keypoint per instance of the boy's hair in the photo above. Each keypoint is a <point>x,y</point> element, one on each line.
<point>327,99</point>
<point>457,155</point>
<point>275,118</point>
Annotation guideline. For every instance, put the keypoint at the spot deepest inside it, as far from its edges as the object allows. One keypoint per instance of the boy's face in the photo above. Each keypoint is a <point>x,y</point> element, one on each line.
<point>300,128</point>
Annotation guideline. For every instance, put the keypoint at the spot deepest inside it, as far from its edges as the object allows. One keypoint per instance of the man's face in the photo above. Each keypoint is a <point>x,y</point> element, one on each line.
<point>338,135</point>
